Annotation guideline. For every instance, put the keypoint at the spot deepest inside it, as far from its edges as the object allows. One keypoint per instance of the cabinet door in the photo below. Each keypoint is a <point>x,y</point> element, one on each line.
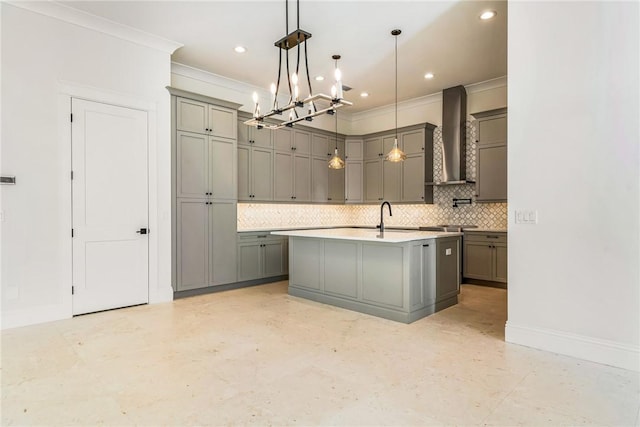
<point>319,180</point>
<point>273,258</point>
<point>222,236</point>
<point>192,165</point>
<point>244,173</point>
<point>413,179</point>
<point>413,142</point>
<point>283,140</point>
<point>492,130</point>
<point>491,180</point>
<point>500,262</point>
<point>261,170</point>
<point>249,261</point>
<point>387,144</point>
<point>448,268</point>
<point>192,244</point>
<point>222,171</point>
<point>302,178</point>
<point>372,148</point>
<point>337,185</point>
<point>320,146</point>
<point>353,182</point>
<point>283,176</point>
<point>478,260</point>
<point>261,137</point>
<point>354,149</point>
<point>302,142</point>
<point>392,181</point>
<point>191,116</point>
<point>244,133</point>
<point>373,180</point>
<point>222,122</point>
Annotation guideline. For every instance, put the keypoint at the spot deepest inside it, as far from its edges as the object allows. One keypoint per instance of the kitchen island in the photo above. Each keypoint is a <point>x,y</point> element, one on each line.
<point>401,275</point>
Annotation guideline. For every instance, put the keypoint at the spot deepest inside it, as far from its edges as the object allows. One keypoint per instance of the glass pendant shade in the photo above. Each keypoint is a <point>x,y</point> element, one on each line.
<point>336,162</point>
<point>396,154</point>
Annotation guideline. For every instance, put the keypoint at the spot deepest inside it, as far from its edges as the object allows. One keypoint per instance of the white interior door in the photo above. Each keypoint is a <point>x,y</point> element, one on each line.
<point>110,206</point>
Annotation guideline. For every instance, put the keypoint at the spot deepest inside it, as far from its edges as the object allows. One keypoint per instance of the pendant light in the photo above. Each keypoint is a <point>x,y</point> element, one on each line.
<point>336,162</point>
<point>396,154</point>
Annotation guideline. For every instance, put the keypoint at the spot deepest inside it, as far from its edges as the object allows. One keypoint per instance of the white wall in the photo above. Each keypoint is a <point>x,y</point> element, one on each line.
<point>40,57</point>
<point>574,281</point>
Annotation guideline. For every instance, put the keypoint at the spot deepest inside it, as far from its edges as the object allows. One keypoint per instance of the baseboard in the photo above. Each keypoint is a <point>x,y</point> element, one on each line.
<point>582,347</point>
<point>227,287</point>
<point>34,315</point>
<point>468,281</point>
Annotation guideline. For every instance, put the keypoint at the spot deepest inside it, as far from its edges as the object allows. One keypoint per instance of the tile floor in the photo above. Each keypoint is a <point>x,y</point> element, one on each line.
<point>257,356</point>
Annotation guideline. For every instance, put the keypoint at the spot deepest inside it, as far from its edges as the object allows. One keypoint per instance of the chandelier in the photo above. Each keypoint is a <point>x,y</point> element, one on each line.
<point>297,109</point>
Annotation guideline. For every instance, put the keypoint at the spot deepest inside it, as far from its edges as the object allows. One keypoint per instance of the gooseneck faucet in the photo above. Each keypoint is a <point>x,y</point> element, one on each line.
<point>382,215</point>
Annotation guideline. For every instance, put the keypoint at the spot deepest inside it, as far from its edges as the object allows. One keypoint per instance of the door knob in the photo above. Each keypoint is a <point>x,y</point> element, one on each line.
<point>142,231</point>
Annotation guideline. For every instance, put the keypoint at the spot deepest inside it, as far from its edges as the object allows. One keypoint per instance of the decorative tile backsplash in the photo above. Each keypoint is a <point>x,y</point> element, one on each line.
<point>255,216</point>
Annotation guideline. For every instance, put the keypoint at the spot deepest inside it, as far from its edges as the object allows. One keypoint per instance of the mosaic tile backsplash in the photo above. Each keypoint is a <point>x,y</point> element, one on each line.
<point>255,216</point>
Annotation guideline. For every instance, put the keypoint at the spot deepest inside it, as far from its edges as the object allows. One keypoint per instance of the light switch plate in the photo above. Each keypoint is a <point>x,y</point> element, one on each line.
<point>526,217</point>
<point>447,251</point>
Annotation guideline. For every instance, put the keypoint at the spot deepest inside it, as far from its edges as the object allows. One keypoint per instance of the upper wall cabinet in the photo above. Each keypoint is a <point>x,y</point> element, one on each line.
<point>250,135</point>
<point>491,156</point>
<point>200,117</point>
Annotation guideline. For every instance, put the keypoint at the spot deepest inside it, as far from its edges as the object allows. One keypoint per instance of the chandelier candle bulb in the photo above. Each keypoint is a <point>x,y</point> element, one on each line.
<point>256,111</point>
<point>274,104</point>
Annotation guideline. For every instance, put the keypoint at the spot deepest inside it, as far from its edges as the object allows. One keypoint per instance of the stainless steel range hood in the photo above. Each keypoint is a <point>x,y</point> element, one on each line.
<point>454,137</point>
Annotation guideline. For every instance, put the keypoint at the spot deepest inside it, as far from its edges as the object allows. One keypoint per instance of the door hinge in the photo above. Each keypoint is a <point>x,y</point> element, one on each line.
<point>72,232</point>
<point>71,117</point>
<point>73,289</point>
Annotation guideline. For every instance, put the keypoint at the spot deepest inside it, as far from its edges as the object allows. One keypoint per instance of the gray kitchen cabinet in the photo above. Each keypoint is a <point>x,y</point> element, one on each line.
<point>491,156</point>
<point>206,229</point>
<point>205,166</point>
<point>378,147</point>
<point>372,180</point>
<point>255,173</point>
<point>354,149</point>
<point>485,256</point>
<point>412,142</point>
<point>201,117</point>
<point>353,181</point>
<point>320,145</point>
<point>319,179</point>
<point>292,177</point>
<point>448,272</point>
<point>413,178</point>
<point>261,255</point>
<point>302,142</point>
<point>250,135</point>
<point>283,139</point>
<point>392,181</point>
<point>337,184</point>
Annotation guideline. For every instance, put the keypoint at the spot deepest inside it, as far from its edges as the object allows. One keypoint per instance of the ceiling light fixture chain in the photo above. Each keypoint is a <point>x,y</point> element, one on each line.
<point>295,39</point>
<point>396,154</point>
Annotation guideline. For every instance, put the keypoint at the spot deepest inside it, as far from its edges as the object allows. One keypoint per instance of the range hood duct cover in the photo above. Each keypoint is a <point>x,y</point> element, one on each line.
<point>454,136</point>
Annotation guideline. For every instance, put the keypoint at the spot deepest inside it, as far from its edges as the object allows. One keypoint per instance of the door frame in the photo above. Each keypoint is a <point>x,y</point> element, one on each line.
<point>67,91</point>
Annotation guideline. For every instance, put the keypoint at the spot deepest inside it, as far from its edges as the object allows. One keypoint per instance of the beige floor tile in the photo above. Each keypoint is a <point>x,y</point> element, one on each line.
<point>258,356</point>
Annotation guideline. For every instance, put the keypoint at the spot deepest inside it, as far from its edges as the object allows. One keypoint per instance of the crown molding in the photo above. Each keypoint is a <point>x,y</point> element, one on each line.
<point>427,99</point>
<point>83,19</point>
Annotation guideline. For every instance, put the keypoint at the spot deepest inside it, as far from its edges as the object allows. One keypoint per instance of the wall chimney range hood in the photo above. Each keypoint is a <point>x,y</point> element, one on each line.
<point>454,137</point>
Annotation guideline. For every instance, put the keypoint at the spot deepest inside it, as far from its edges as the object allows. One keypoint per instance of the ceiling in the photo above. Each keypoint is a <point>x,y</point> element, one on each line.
<point>446,38</point>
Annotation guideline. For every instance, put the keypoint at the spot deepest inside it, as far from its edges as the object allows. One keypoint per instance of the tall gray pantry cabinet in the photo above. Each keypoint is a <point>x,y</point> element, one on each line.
<point>204,190</point>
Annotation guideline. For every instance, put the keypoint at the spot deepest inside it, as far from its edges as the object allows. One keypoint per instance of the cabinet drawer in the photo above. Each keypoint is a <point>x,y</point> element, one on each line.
<point>254,236</point>
<point>498,237</point>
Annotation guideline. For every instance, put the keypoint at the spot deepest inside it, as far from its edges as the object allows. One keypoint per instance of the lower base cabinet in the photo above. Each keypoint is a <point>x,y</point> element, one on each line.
<point>261,255</point>
<point>485,256</point>
<point>206,229</point>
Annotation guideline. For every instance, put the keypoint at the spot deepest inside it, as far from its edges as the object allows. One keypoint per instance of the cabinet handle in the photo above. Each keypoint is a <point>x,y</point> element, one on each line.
<point>262,236</point>
<point>425,246</point>
<point>492,237</point>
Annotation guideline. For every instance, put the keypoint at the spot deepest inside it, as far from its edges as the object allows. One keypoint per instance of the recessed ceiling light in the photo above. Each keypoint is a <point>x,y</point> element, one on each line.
<point>319,78</point>
<point>428,76</point>
<point>364,94</point>
<point>488,14</point>
<point>240,49</point>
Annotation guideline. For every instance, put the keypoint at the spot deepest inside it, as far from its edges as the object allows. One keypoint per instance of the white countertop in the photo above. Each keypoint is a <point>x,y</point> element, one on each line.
<point>366,234</point>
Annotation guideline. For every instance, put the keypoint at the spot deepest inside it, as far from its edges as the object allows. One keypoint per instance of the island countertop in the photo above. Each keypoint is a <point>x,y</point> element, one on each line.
<point>372,235</point>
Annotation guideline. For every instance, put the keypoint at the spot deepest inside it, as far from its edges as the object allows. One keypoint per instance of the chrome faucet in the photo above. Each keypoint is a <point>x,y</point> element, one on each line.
<point>382,215</point>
